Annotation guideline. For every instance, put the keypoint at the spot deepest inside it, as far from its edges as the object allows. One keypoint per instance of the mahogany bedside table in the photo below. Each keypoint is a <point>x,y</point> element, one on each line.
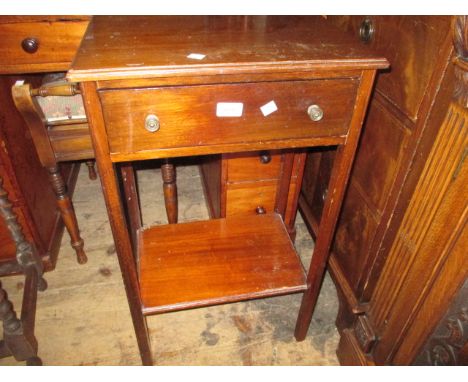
<point>161,87</point>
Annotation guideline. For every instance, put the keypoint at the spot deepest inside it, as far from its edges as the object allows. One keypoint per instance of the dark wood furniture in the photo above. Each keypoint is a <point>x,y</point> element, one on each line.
<point>142,105</point>
<point>18,334</point>
<point>26,181</point>
<point>57,141</point>
<point>250,183</point>
<point>395,260</point>
<point>45,44</point>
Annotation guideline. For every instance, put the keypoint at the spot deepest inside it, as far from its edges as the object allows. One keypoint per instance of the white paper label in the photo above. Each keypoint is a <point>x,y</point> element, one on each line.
<point>269,108</point>
<point>196,56</point>
<point>229,109</point>
<point>19,83</point>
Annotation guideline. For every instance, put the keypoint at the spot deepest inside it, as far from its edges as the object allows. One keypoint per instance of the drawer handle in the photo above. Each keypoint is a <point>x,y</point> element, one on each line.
<point>30,45</point>
<point>265,158</point>
<point>152,123</point>
<point>315,112</point>
<point>260,210</point>
<point>366,30</point>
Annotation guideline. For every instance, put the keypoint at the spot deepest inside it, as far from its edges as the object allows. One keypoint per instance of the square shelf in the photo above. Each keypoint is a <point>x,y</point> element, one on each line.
<point>211,262</point>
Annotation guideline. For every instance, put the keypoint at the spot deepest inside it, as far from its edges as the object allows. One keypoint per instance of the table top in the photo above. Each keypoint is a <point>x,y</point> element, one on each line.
<point>116,47</point>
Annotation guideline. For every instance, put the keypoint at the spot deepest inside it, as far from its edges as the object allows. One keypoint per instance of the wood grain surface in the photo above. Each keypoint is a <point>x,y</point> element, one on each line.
<point>188,115</point>
<point>217,261</point>
<point>231,44</point>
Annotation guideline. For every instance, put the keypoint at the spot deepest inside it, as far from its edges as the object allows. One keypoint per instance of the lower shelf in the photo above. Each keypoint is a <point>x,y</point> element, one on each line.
<point>216,261</point>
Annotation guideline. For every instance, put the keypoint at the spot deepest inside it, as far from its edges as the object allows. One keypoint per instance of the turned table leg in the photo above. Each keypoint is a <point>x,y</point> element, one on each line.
<point>68,213</point>
<point>91,164</point>
<point>170,190</point>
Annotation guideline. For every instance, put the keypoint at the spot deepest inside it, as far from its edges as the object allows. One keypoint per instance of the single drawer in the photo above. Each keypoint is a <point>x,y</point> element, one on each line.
<point>189,116</point>
<point>244,167</point>
<point>245,199</point>
<point>39,45</point>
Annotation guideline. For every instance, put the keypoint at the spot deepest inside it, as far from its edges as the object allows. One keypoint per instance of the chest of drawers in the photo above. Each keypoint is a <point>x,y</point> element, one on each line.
<point>256,84</point>
<point>39,43</point>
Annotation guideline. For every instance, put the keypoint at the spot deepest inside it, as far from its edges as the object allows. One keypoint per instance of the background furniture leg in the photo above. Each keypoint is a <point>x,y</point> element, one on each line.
<point>91,164</point>
<point>68,213</point>
<point>170,191</point>
<point>19,340</point>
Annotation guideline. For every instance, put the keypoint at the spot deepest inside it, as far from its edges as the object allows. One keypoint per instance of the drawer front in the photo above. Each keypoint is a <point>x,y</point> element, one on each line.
<point>57,43</point>
<point>188,115</point>
<point>244,167</point>
<point>244,200</point>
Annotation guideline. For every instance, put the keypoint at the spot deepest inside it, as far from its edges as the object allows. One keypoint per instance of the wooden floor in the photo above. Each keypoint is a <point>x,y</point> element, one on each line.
<point>83,316</point>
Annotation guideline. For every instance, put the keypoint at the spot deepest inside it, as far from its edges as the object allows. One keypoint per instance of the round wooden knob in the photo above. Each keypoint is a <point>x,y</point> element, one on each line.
<point>30,45</point>
<point>366,30</point>
<point>265,158</point>
<point>260,210</point>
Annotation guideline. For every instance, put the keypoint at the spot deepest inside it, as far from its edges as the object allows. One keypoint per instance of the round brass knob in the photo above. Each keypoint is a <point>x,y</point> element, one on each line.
<point>366,30</point>
<point>30,45</point>
<point>152,123</point>
<point>260,210</point>
<point>315,112</point>
<point>265,157</point>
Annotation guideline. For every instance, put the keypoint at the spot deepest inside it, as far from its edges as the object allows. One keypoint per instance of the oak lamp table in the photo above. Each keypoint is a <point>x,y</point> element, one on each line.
<point>162,87</point>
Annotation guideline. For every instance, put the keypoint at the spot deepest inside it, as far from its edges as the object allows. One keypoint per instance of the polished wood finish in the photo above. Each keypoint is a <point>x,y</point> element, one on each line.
<point>26,182</point>
<point>245,183</point>
<point>116,213</point>
<point>168,174</point>
<point>287,44</point>
<point>193,129</point>
<point>39,44</point>
<point>402,112</point>
<point>250,167</point>
<point>67,211</point>
<point>35,120</point>
<point>228,260</point>
<point>399,255</point>
<point>246,198</point>
<point>125,113</point>
<point>337,186</point>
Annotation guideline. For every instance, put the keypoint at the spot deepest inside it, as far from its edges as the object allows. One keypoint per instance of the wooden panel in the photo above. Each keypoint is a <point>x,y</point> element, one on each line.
<point>316,178</point>
<point>228,260</point>
<point>291,206</point>
<point>210,171</point>
<point>58,42</point>
<point>244,198</point>
<point>349,352</point>
<point>187,115</point>
<point>412,46</point>
<point>71,142</point>
<point>248,166</point>
<point>25,172</point>
<point>439,206</point>
<point>355,230</point>
<point>378,160</point>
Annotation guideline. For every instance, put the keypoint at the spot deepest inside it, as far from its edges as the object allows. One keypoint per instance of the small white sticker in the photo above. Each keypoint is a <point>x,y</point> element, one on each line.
<point>269,108</point>
<point>196,56</point>
<point>229,109</point>
<point>19,83</point>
